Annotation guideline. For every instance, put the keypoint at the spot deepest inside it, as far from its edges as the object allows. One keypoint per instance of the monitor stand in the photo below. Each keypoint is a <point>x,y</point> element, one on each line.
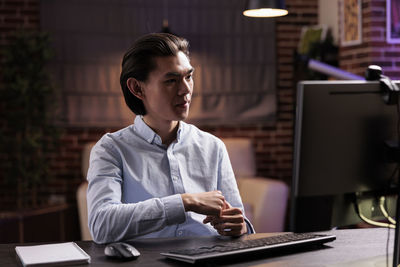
<point>394,156</point>
<point>397,231</point>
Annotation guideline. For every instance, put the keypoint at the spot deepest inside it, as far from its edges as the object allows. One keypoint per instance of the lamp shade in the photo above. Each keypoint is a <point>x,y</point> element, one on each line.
<point>265,8</point>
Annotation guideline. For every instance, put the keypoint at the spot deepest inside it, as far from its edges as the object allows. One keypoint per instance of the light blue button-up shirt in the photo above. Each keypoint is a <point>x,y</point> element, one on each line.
<point>136,182</point>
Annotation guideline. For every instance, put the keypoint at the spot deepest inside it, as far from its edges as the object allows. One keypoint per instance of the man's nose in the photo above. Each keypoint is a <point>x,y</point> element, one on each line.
<point>185,87</point>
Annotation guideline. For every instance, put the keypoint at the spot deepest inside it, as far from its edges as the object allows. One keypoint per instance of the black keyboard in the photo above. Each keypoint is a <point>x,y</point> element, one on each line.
<point>246,246</point>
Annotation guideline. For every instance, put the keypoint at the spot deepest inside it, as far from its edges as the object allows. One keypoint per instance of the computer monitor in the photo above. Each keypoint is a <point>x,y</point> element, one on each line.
<point>342,129</point>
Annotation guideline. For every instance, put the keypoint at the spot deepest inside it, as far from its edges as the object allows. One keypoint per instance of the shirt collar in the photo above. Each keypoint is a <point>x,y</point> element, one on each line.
<point>180,131</point>
<point>144,131</point>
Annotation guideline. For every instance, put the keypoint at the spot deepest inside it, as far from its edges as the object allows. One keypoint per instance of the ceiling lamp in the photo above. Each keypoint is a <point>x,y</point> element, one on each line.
<point>265,8</point>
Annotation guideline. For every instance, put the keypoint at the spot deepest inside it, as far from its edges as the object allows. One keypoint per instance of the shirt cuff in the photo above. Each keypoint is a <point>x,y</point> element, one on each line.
<point>250,228</point>
<point>174,209</point>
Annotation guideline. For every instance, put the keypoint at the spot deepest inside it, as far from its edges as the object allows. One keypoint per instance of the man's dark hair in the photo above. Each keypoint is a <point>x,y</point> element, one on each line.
<point>139,61</point>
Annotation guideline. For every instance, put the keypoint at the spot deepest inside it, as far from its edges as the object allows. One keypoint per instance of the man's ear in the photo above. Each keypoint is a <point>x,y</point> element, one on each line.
<point>135,88</point>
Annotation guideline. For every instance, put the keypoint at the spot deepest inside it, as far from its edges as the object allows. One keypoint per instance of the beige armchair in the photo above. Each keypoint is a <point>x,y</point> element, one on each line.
<point>264,199</point>
<point>81,194</point>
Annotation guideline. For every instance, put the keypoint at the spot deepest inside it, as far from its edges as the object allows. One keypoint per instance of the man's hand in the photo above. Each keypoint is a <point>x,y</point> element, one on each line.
<point>207,203</point>
<point>230,222</point>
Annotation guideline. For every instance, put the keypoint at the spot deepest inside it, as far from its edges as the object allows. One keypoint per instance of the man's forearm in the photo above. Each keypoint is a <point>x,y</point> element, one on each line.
<point>117,222</point>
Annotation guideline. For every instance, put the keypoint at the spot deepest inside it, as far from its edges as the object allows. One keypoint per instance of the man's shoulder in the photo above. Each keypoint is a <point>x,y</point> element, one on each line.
<point>194,132</point>
<point>119,133</point>
<point>111,137</point>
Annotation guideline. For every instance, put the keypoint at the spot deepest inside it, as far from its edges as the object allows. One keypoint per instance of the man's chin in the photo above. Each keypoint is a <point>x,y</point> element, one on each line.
<point>182,116</point>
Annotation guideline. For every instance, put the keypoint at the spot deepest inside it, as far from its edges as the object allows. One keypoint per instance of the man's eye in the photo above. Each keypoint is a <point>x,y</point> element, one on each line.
<point>170,81</point>
<point>189,77</point>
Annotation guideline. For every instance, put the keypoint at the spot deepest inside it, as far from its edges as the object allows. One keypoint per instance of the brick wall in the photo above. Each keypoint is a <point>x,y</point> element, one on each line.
<point>374,49</point>
<point>273,142</point>
<point>15,14</point>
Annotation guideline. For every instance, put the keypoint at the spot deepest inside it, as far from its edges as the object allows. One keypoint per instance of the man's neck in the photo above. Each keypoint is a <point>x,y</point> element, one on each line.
<point>167,130</point>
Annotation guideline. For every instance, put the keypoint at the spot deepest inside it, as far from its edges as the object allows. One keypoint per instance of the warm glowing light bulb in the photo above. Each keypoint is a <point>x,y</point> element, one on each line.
<point>265,12</point>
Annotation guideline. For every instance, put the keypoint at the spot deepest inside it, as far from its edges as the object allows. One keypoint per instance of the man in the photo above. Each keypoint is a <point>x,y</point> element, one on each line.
<point>161,177</point>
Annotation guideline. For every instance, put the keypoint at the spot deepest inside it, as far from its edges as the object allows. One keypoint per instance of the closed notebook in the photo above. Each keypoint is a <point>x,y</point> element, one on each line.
<point>52,254</point>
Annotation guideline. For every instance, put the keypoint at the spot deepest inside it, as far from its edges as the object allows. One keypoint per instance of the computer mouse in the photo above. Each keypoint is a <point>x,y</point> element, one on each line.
<point>121,250</point>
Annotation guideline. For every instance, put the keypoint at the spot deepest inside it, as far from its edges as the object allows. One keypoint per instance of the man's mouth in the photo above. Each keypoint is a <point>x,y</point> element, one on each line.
<point>183,104</point>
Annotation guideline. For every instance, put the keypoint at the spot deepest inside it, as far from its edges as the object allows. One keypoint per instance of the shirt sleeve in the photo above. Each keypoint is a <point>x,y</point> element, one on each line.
<point>228,186</point>
<point>109,219</point>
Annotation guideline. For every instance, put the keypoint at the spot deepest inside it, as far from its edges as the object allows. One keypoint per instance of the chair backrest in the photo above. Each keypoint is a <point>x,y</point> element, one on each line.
<point>82,211</point>
<point>85,158</point>
<point>241,154</point>
<point>81,194</point>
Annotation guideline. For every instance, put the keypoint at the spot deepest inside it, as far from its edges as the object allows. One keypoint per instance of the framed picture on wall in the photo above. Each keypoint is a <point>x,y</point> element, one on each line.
<point>351,23</point>
<point>393,21</point>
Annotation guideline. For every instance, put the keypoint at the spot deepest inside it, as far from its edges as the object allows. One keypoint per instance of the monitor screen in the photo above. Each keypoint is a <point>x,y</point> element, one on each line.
<point>342,130</point>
